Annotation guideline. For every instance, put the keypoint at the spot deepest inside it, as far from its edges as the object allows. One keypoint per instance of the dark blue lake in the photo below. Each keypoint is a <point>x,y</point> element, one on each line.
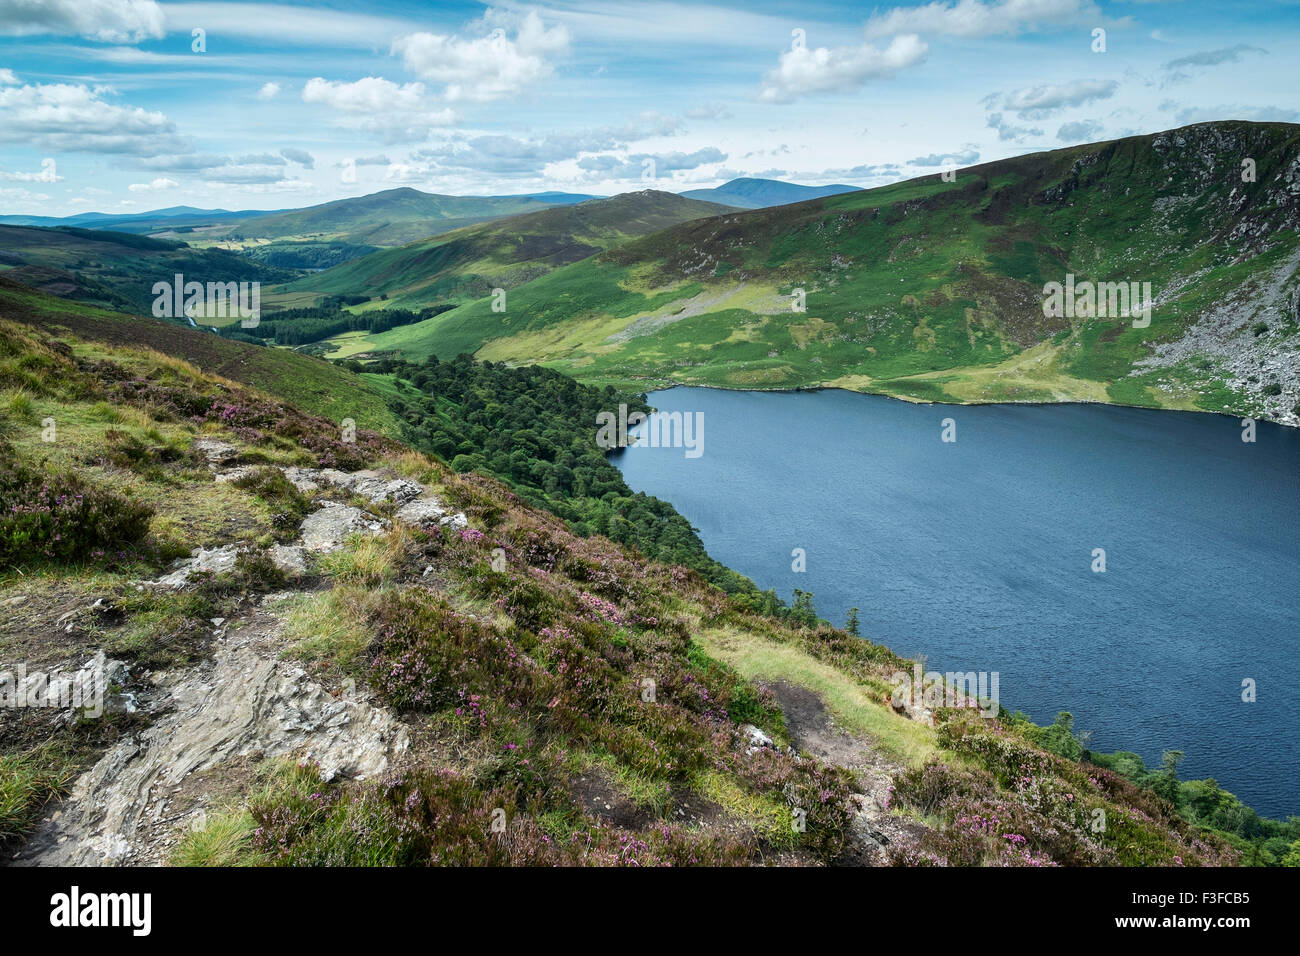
<point>978,554</point>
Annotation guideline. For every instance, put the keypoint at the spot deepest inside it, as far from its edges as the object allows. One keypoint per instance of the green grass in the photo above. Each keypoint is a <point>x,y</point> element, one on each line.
<point>312,384</point>
<point>28,781</point>
<point>856,705</point>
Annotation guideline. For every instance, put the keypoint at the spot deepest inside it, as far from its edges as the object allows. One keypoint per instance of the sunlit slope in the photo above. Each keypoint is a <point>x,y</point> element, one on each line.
<point>318,386</point>
<point>934,290</point>
<point>468,263</point>
<point>115,269</point>
<point>385,218</point>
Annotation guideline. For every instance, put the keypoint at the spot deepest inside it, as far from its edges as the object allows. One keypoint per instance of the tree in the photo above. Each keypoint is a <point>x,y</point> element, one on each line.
<point>1166,779</point>
<point>851,625</point>
<point>803,611</point>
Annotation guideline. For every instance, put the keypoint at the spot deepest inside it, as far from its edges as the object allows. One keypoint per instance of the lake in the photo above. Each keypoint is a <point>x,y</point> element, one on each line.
<point>979,553</point>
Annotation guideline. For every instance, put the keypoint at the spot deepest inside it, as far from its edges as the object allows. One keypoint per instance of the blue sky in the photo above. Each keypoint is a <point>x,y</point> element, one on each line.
<point>107,105</point>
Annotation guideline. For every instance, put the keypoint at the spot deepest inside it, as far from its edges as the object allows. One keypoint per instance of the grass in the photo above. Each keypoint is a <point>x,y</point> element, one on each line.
<point>224,839</point>
<point>855,706</point>
<point>28,781</point>
<point>312,384</point>
<point>368,561</point>
<point>329,627</point>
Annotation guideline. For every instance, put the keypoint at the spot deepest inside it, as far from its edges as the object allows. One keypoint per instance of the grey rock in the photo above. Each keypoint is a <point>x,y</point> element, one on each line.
<point>215,560</point>
<point>328,529</point>
<point>217,452</point>
<point>290,559</point>
<point>245,704</point>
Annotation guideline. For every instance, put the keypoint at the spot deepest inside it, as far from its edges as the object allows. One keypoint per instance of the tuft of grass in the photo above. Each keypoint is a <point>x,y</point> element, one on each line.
<point>164,629</point>
<point>329,627</point>
<point>225,839</point>
<point>853,704</point>
<point>368,561</point>
<point>28,781</point>
<point>770,820</point>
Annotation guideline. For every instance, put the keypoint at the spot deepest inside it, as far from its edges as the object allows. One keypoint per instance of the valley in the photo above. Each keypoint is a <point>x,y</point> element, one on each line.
<point>397,474</point>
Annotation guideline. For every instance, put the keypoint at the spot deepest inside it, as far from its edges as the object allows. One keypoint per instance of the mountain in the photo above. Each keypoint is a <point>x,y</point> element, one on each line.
<point>387,218</point>
<point>468,263</point>
<point>758,193</point>
<point>938,291</point>
<point>314,237</point>
<point>143,223</point>
<point>359,655</point>
<point>115,269</point>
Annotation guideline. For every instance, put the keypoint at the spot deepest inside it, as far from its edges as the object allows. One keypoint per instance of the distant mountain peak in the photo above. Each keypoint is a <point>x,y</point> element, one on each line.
<point>753,193</point>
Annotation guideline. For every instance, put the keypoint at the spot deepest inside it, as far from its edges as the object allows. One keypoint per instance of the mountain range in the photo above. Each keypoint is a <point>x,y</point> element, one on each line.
<point>932,289</point>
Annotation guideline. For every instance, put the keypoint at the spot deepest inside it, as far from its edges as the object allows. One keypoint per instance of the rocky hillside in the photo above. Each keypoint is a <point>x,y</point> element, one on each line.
<point>316,646</point>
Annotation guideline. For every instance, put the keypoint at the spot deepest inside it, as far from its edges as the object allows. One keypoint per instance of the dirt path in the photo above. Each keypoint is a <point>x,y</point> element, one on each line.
<point>813,730</point>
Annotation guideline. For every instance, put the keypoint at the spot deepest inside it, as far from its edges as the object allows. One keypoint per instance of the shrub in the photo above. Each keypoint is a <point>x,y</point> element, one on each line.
<point>62,516</point>
<point>272,487</point>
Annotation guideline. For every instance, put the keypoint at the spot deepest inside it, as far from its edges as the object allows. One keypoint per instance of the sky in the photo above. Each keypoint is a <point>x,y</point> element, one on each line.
<point>122,106</point>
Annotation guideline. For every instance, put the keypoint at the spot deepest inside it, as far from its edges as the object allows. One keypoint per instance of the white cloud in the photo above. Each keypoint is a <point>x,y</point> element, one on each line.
<point>154,186</point>
<point>709,111</point>
<point>1037,102</point>
<point>1182,69</point>
<point>109,21</point>
<point>1006,131</point>
<point>802,71</point>
<point>653,165</point>
<point>269,91</point>
<point>510,155</point>
<point>398,113</point>
<point>485,68</point>
<point>299,156</point>
<point>75,118</point>
<point>963,157</point>
<point>49,173</point>
<point>289,24</point>
<point>244,173</point>
<point>972,18</point>
<point>7,78</point>
<point>366,95</point>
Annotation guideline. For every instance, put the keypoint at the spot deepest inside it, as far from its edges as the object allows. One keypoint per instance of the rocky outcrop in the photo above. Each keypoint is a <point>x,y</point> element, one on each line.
<point>371,485</point>
<point>245,703</point>
<point>329,528</point>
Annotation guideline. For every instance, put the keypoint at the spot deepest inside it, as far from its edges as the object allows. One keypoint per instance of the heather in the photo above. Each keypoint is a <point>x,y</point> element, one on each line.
<point>60,516</point>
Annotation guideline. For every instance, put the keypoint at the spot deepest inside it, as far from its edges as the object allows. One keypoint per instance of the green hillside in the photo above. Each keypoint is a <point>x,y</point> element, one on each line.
<point>384,701</point>
<point>933,290</point>
<point>312,384</point>
<point>468,263</point>
<point>386,218</point>
<point>115,269</point>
